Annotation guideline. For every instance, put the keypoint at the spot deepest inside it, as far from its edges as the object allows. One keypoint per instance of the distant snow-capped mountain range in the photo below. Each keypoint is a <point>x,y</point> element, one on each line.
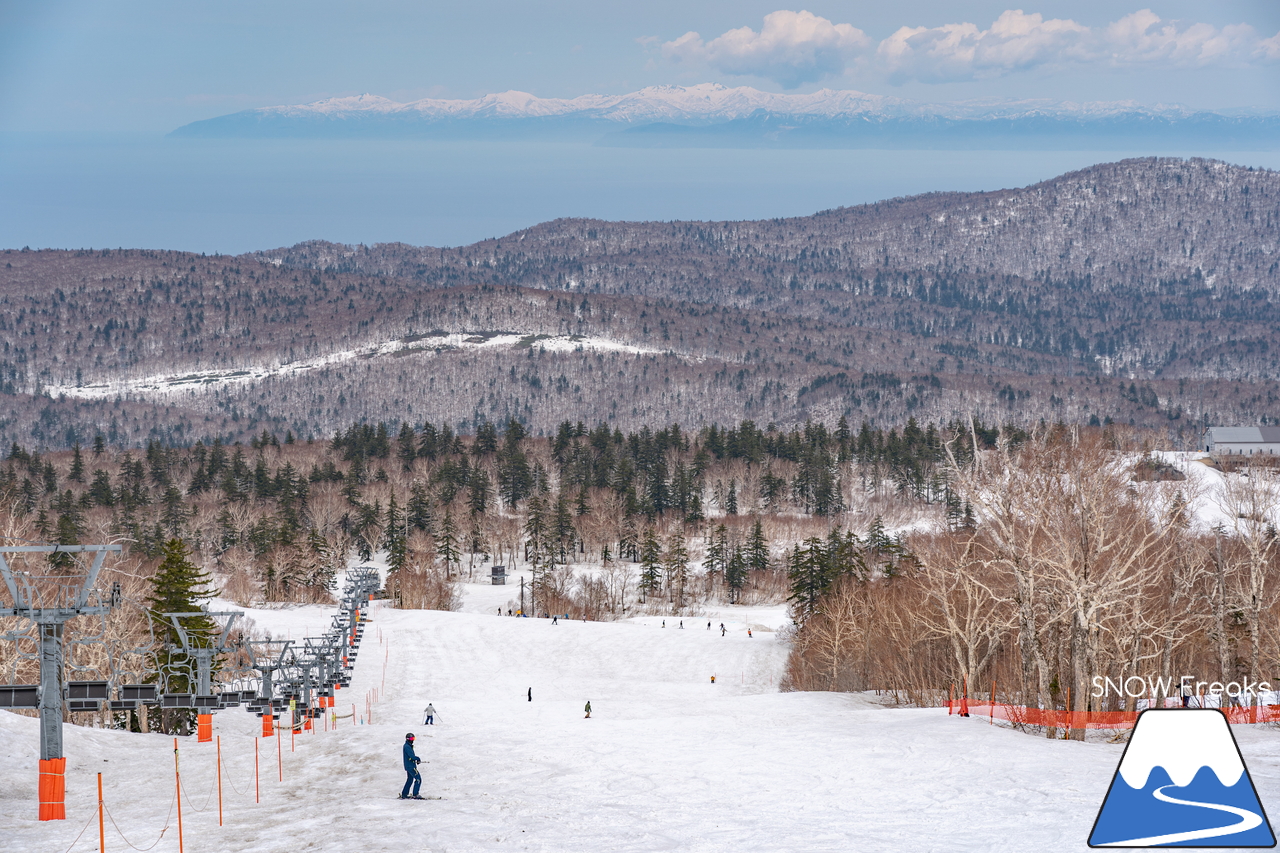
<point>710,113</point>
<point>709,102</point>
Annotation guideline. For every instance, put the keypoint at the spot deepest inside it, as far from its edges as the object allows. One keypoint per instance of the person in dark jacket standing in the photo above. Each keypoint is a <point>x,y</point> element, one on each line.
<point>411,767</point>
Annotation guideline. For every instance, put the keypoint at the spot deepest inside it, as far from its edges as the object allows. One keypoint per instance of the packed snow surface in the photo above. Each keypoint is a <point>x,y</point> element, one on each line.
<point>668,761</point>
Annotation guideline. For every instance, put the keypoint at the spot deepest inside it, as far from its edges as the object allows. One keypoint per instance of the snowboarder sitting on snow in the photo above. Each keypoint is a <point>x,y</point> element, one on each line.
<point>411,767</point>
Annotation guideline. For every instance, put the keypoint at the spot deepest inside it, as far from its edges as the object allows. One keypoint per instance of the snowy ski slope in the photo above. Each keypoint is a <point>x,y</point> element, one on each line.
<point>668,761</point>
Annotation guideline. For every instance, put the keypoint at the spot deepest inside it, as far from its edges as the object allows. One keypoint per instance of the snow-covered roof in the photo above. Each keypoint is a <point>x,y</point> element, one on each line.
<point>1244,435</point>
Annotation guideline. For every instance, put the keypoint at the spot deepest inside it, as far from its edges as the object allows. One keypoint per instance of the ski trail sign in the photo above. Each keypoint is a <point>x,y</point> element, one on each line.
<point>1182,783</point>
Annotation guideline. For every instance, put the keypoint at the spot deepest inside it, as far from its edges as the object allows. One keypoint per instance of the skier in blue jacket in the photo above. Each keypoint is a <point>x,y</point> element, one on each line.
<point>411,767</point>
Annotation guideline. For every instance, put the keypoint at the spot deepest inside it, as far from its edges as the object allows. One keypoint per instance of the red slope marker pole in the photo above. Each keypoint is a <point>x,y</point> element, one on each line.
<point>219,780</point>
<point>177,786</point>
<point>102,831</point>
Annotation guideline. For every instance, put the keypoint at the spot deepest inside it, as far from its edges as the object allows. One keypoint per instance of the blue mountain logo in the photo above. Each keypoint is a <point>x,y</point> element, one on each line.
<point>1182,783</point>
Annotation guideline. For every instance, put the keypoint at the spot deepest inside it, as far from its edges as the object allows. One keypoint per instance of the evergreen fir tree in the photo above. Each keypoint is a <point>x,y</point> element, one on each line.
<point>77,465</point>
<point>717,551</point>
<point>418,510</point>
<point>628,541</point>
<point>394,538</point>
<point>479,490</point>
<point>675,564</point>
<point>535,531</point>
<point>650,563</point>
<point>735,574</point>
<point>757,552</point>
<point>447,543</point>
<point>179,586</point>
<point>807,571</point>
<point>563,531</point>
<point>408,445</point>
<point>174,515</point>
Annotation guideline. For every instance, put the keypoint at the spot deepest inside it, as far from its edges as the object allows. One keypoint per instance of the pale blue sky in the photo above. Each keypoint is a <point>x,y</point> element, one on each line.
<point>152,66</point>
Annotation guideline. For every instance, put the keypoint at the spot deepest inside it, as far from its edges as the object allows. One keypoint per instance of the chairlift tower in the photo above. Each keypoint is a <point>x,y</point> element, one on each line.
<point>272,661</point>
<point>203,655</point>
<point>50,601</point>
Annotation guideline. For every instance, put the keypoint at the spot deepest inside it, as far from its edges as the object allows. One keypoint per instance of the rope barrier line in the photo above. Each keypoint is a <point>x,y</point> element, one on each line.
<point>230,779</point>
<point>190,799</point>
<point>112,817</point>
<point>82,831</point>
<point>130,843</point>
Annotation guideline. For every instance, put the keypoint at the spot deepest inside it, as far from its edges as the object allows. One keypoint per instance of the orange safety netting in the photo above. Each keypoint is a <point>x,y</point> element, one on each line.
<point>1062,719</point>
<point>53,789</point>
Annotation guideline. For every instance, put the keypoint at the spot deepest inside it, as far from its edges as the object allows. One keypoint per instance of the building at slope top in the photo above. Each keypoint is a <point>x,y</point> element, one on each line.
<point>1242,440</point>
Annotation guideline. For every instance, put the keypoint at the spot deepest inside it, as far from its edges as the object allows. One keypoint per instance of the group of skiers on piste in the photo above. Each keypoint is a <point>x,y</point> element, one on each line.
<point>413,782</point>
<point>411,760</point>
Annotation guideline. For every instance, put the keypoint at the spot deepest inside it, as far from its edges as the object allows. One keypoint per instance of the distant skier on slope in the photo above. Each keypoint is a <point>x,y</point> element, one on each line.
<point>411,761</point>
<point>429,715</point>
<point>588,709</point>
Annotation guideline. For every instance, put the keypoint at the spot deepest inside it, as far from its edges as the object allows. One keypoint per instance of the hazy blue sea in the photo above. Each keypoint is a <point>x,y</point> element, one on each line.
<point>99,191</point>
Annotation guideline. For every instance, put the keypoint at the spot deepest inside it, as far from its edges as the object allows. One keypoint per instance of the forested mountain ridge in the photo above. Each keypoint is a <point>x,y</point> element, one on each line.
<point>924,307</point>
<point>1156,267</point>
<point>1144,223</point>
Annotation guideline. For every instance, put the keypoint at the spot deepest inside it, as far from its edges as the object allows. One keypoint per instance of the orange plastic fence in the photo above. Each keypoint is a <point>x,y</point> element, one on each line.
<point>53,789</point>
<point>204,728</point>
<point>1061,719</point>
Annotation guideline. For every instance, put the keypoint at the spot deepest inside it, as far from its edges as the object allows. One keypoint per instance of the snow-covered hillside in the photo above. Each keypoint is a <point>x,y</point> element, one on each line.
<point>668,760</point>
<point>162,385</point>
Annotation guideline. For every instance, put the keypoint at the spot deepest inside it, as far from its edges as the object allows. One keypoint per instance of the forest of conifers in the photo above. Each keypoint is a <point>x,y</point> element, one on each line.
<point>909,561</point>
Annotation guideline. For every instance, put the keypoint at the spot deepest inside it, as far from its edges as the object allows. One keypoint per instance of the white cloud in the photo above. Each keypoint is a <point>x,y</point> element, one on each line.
<point>1268,50</point>
<point>792,48</point>
<point>1016,41</point>
<point>1144,37</point>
